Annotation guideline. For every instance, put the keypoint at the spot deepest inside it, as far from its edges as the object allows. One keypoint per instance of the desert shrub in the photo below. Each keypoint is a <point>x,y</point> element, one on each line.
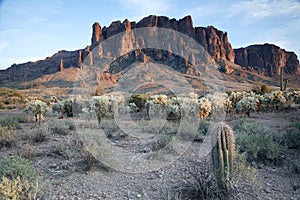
<point>109,126</point>
<point>15,189</point>
<point>26,151</point>
<point>7,136</point>
<point>64,151</point>
<point>60,127</point>
<point>39,134</point>
<point>203,127</point>
<point>88,158</point>
<point>139,100</point>
<point>261,88</point>
<point>10,122</point>
<point>19,178</point>
<point>162,141</point>
<point>256,142</point>
<point>200,184</point>
<point>292,137</point>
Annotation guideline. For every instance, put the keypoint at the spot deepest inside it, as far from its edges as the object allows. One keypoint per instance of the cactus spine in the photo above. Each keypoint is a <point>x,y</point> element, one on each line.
<point>224,152</point>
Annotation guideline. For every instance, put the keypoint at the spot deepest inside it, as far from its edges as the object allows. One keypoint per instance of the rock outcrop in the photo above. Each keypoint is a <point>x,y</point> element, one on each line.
<point>267,59</point>
<point>215,42</point>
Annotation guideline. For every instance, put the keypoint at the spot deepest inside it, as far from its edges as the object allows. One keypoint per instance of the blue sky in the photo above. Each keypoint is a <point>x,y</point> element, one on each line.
<point>34,29</point>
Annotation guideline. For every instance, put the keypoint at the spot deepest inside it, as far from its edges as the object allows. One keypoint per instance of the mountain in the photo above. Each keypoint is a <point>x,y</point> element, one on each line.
<point>267,59</point>
<point>59,69</point>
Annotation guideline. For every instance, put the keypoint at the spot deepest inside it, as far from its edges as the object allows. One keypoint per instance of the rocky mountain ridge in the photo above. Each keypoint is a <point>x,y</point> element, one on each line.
<point>264,59</point>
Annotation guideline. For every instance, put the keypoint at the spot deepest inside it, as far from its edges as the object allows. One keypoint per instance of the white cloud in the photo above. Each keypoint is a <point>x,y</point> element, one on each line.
<point>252,10</point>
<point>9,31</point>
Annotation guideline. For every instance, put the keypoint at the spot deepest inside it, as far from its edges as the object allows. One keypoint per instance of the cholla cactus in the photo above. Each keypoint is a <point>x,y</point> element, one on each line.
<point>70,107</point>
<point>278,99</point>
<point>205,107</point>
<point>224,152</point>
<point>160,99</point>
<point>247,104</point>
<point>38,108</point>
<point>218,101</point>
<point>104,106</point>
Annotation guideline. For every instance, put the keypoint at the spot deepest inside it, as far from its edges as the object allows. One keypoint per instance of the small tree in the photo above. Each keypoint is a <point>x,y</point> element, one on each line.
<point>38,108</point>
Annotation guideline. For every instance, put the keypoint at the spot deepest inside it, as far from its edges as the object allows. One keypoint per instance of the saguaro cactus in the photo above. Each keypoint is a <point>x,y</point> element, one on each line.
<point>224,151</point>
<point>283,83</point>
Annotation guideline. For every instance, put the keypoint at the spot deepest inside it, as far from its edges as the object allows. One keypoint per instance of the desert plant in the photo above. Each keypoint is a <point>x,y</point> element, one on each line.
<point>283,83</point>
<point>224,152</point>
<point>104,106</point>
<point>292,137</point>
<point>247,104</point>
<point>256,142</point>
<point>38,108</point>
<point>200,184</point>
<point>10,122</point>
<point>162,141</point>
<point>16,189</point>
<point>60,127</point>
<point>261,88</point>
<point>64,151</point>
<point>205,107</point>
<point>39,135</point>
<point>7,136</point>
<point>89,159</point>
<point>18,178</point>
<point>203,127</point>
<point>139,100</point>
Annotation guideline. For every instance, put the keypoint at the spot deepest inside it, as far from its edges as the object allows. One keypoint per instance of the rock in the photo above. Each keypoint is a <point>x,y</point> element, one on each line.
<point>267,58</point>
<point>224,67</point>
<point>138,196</point>
<point>97,32</point>
<point>61,197</point>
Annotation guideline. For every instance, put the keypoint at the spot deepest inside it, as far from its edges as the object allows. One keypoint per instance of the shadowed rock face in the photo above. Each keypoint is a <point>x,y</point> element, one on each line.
<point>267,58</point>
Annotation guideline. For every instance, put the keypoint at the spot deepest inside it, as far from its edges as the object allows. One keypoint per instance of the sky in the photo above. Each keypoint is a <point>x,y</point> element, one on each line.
<point>32,30</point>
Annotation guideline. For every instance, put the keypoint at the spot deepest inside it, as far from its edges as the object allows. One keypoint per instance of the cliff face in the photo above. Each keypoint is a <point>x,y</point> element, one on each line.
<point>267,59</point>
<point>215,42</point>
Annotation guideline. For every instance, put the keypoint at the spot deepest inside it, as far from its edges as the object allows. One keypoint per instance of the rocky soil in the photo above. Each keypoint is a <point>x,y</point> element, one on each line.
<point>64,178</point>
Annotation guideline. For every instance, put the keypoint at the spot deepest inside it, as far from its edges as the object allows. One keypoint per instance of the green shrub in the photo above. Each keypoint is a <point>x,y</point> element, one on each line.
<point>10,122</point>
<point>203,127</point>
<point>7,136</point>
<point>15,189</point>
<point>162,141</point>
<point>292,137</point>
<point>63,150</point>
<point>39,135</point>
<point>19,178</point>
<point>59,127</point>
<point>17,166</point>
<point>256,142</point>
